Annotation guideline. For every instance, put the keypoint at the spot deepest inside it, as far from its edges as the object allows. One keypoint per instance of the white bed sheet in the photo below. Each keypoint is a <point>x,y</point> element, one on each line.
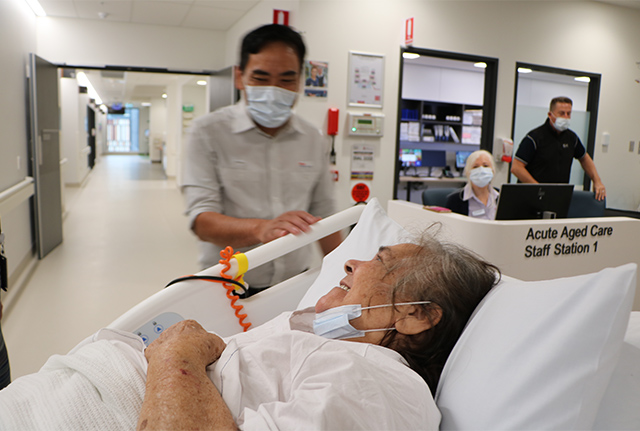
<point>620,407</point>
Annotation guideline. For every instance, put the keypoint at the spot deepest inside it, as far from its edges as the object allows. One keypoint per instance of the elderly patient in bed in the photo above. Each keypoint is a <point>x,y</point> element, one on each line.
<point>368,356</point>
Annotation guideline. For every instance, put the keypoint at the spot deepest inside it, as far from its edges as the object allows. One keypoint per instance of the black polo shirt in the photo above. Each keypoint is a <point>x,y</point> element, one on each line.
<point>548,155</point>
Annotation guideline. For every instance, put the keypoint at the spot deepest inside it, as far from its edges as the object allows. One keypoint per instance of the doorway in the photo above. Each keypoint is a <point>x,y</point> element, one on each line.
<point>446,110</point>
<point>535,86</point>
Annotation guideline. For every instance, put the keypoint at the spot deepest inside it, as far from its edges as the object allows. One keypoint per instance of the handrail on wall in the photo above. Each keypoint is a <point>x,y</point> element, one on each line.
<point>15,195</point>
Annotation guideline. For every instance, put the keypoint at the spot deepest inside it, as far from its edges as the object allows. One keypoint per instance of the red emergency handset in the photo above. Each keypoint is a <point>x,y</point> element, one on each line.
<point>332,130</point>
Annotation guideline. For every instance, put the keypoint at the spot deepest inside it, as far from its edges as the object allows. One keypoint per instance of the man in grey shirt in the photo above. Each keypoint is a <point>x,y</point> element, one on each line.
<point>255,171</point>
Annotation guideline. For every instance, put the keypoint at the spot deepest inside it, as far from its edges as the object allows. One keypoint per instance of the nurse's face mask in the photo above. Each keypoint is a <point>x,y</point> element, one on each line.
<point>269,106</point>
<point>334,322</point>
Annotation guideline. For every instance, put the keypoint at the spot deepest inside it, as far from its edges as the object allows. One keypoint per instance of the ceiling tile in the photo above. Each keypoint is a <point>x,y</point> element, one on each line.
<point>59,8</point>
<point>211,18</point>
<point>116,10</point>
<point>169,13</point>
<point>243,5</point>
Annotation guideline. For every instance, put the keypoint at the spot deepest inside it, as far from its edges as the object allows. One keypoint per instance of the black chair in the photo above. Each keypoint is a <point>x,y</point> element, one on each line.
<point>437,196</point>
<point>584,204</point>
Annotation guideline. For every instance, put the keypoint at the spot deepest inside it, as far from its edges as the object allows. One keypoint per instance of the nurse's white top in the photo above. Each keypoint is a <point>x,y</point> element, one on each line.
<point>477,208</point>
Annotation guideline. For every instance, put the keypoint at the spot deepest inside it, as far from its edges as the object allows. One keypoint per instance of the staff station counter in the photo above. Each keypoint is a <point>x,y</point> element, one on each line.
<point>535,249</point>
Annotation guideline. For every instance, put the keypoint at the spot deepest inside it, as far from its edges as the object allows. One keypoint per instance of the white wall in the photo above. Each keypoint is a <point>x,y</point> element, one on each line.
<point>438,84</point>
<point>17,33</point>
<point>143,141</point>
<point>534,92</point>
<point>157,127</point>
<point>73,135</point>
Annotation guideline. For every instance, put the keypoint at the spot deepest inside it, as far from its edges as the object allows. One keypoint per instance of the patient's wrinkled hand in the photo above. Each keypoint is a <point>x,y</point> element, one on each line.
<point>187,342</point>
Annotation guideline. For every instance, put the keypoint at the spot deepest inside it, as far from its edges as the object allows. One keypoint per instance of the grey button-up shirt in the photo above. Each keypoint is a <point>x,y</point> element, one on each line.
<point>233,168</point>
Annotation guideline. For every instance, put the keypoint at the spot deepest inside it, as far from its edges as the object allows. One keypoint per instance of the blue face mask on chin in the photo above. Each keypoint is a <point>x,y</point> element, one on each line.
<point>334,322</point>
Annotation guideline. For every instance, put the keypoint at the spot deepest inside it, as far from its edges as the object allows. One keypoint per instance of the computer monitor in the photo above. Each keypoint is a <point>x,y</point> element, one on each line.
<point>411,157</point>
<point>461,158</point>
<point>434,159</point>
<point>534,201</point>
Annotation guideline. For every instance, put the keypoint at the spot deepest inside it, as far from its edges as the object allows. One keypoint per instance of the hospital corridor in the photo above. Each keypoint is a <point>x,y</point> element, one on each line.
<point>125,238</point>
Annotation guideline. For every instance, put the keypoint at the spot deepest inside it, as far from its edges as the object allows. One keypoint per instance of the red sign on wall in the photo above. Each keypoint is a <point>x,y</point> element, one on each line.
<point>281,16</point>
<point>360,192</point>
<point>408,31</point>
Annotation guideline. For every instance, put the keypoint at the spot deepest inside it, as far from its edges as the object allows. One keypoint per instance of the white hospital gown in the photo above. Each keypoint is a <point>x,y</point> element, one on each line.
<point>275,378</point>
<point>270,377</point>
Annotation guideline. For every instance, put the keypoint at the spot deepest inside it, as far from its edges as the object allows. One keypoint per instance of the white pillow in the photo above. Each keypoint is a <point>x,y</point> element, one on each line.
<point>538,355</point>
<point>374,229</point>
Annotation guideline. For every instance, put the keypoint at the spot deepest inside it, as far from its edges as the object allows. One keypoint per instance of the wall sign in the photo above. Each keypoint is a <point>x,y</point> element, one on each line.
<point>281,16</point>
<point>408,32</point>
<point>366,78</point>
<point>360,192</point>
<point>552,241</point>
<point>362,162</point>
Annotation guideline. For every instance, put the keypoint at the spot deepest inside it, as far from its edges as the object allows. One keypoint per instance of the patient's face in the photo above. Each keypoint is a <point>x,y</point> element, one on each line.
<point>369,283</point>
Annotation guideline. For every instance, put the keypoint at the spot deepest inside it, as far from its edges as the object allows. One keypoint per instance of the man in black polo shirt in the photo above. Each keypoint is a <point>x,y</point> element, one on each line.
<point>546,153</point>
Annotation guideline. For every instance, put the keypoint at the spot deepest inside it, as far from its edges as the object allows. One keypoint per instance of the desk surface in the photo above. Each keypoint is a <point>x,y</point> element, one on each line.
<point>409,179</point>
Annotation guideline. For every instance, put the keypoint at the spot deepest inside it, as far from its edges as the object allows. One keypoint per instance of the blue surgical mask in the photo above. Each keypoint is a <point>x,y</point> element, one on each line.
<point>481,176</point>
<point>561,124</point>
<point>334,322</point>
<point>269,106</point>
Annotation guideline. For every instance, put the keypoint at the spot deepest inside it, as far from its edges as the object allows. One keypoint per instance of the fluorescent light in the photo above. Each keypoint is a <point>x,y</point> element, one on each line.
<point>481,65</point>
<point>201,82</point>
<point>582,79</point>
<point>524,70</point>
<point>83,80</point>
<point>36,7</point>
<point>410,55</point>
<point>145,104</point>
<point>164,95</point>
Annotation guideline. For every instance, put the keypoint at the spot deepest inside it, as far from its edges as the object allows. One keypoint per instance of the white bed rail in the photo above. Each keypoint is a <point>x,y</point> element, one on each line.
<point>207,302</point>
<point>281,246</point>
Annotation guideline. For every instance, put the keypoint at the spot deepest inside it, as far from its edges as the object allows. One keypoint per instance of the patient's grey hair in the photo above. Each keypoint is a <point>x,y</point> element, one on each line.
<point>455,280</point>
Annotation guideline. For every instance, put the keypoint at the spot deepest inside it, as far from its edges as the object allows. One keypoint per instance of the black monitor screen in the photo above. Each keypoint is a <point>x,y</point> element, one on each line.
<point>533,201</point>
<point>435,159</point>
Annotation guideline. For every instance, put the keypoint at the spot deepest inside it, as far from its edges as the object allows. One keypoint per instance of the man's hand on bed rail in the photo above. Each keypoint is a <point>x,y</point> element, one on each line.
<point>179,394</point>
<point>223,230</point>
<point>294,222</point>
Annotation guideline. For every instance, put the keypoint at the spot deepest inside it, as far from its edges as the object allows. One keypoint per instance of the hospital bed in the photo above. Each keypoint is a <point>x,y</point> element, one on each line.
<point>546,349</point>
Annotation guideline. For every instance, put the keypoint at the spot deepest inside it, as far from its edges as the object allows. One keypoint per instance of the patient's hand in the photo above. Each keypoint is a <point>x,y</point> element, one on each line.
<point>186,341</point>
<point>294,222</point>
<point>179,394</point>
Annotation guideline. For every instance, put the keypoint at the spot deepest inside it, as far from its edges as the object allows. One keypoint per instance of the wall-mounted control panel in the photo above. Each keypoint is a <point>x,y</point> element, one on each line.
<point>365,124</point>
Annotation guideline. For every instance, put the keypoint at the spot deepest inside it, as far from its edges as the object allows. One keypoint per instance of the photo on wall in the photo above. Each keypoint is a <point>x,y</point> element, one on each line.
<point>316,78</point>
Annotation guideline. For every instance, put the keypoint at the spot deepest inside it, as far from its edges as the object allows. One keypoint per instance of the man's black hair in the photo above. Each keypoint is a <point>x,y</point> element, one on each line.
<point>254,41</point>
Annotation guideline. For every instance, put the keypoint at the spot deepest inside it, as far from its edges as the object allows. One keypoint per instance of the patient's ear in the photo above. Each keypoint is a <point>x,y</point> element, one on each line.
<point>419,320</point>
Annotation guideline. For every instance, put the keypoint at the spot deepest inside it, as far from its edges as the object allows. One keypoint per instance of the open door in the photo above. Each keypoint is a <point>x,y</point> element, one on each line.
<point>44,150</point>
<point>222,91</point>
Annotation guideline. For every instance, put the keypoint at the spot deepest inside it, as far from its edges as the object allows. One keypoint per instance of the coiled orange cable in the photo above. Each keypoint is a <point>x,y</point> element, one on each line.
<point>226,256</point>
